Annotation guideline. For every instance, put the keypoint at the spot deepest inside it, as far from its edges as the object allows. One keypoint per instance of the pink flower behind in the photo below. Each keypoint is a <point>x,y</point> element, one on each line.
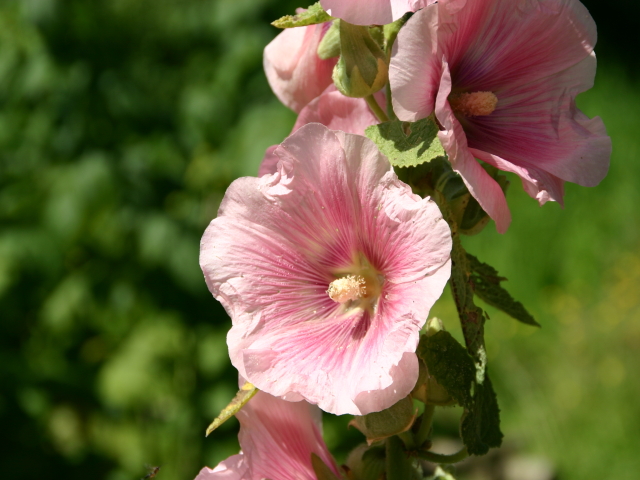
<point>333,110</point>
<point>328,269</point>
<point>295,72</point>
<point>372,12</point>
<point>502,77</point>
<point>277,439</point>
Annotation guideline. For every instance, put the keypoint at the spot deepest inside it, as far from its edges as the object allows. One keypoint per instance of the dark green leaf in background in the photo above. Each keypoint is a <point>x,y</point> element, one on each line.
<point>486,284</point>
<point>467,382</point>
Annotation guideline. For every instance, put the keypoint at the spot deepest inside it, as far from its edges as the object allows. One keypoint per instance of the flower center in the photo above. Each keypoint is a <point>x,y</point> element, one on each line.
<point>347,288</point>
<point>357,286</point>
<point>473,104</point>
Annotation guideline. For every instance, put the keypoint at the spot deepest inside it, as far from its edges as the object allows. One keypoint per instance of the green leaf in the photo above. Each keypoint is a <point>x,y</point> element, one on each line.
<point>246,392</point>
<point>407,144</point>
<point>480,428</point>
<point>322,471</point>
<point>450,364</point>
<point>485,283</point>
<point>329,46</point>
<point>311,16</point>
<point>394,420</point>
<point>467,382</point>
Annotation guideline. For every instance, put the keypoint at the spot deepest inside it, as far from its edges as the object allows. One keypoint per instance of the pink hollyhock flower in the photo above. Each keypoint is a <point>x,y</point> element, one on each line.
<point>372,12</point>
<point>295,72</point>
<point>333,110</point>
<point>277,439</point>
<point>502,77</point>
<point>328,269</point>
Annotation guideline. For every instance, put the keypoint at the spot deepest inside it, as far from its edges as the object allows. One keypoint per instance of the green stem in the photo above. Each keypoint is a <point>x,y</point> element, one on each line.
<point>407,439</point>
<point>444,459</point>
<point>390,112</point>
<point>423,433</point>
<point>375,108</point>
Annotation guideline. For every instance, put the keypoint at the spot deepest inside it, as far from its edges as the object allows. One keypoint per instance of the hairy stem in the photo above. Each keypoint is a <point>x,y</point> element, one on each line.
<point>443,459</point>
<point>376,109</point>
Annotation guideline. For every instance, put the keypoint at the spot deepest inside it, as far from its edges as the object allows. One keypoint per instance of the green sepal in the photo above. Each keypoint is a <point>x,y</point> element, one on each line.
<point>468,383</point>
<point>362,69</point>
<point>486,284</point>
<point>407,144</point>
<point>246,392</point>
<point>394,420</point>
<point>311,16</point>
<point>329,46</point>
<point>322,471</point>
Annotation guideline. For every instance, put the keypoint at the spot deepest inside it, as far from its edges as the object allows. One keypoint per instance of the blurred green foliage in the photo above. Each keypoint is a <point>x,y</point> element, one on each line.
<point>122,122</point>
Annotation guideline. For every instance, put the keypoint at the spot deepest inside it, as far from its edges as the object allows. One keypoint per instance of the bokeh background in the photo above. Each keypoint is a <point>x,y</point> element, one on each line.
<point>122,122</point>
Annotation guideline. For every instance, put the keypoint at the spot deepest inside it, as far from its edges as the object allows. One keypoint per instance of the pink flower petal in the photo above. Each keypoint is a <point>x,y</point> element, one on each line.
<point>372,12</point>
<point>535,56</point>
<point>275,247</point>
<point>233,468</point>
<point>480,184</point>
<point>495,44</point>
<point>295,72</point>
<point>277,439</point>
<point>334,110</point>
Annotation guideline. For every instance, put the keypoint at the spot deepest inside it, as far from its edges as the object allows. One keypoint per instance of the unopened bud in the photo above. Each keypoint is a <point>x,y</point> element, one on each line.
<point>362,69</point>
<point>366,463</point>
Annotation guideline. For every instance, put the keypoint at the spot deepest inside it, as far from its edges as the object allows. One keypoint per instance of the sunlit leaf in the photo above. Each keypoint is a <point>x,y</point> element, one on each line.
<point>311,16</point>
<point>246,392</point>
<point>407,144</point>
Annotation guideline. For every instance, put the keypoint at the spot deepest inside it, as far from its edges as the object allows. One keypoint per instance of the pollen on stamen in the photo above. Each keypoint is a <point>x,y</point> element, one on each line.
<point>473,104</point>
<point>347,288</point>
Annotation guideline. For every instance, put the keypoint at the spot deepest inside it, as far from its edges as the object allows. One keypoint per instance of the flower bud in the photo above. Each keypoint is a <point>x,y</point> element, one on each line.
<point>366,463</point>
<point>362,69</point>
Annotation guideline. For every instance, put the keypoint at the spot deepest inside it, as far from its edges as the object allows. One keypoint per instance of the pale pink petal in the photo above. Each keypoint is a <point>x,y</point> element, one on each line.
<point>269,162</point>
<point>372,12</point>
<point>269,259</point>
<point>233,468</point>
<point>277,440</point>
<point>335,111</point>
<point>278,437</point>
<point>480,184</point>
<point>537,183</point>
<point>295,72</point>
<point>338,112</point>
<point>416,68</point>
